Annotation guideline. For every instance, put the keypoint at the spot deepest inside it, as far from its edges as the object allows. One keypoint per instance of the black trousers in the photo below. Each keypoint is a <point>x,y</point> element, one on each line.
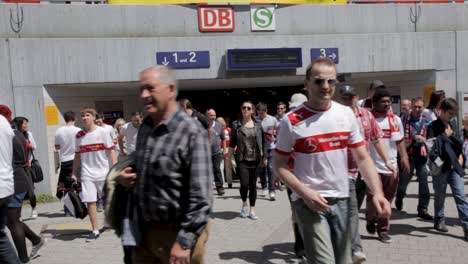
<point>247,172</point>
<point>216,159</point>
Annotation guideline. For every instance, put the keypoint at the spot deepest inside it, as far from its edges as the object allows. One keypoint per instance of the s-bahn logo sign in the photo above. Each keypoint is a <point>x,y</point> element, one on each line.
<point>262,18</point>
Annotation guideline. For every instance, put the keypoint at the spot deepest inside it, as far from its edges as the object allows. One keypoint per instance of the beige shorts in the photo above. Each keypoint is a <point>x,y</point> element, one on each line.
<point>91,190</point>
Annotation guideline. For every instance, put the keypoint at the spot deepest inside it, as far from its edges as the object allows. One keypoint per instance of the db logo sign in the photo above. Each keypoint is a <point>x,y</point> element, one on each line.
<point>216,18</point>
<point>262,18</point>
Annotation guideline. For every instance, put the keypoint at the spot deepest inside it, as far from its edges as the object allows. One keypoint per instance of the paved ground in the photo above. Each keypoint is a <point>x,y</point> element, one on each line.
<point>267,240</point>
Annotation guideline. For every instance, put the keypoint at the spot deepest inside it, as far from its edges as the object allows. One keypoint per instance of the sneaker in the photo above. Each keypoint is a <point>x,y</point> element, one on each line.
<point>370,227</point>
<point>399,204</point>
<point>99,208</point>
<point>425,215</point>
<point>34,214</point>
<point>272,196</point>
<point>440,227</point>
<point>384,237</point>
<point>265,192</point>
<point>220,191</point>
<point>93,236</point>
<point>244,212</point>
<point>282,187</point>
<point>253,216</point>
<point>359,257</point>
<point>36,248</point>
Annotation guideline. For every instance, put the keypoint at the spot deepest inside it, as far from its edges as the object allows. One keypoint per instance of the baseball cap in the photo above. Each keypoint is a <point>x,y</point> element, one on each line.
<point>297,99</point>
<point>6,112</point>
<point>347,90</point>
<point>376,84</point>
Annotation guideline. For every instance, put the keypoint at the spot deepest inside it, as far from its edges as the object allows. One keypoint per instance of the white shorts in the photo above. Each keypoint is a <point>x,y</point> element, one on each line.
<point>91,190</point>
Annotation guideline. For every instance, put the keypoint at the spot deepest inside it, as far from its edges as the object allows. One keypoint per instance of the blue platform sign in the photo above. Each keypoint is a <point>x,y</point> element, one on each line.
<point>184,59</point>
<point>331,53</point>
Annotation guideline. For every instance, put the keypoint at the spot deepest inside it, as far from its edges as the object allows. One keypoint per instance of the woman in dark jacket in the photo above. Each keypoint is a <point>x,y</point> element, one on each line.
<point>23,182</point>
<point>248,144</point>
<point>449,150</point>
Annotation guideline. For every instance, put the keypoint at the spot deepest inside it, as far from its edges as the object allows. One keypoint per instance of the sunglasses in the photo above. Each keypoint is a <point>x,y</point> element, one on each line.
<point>321,82</point>
<point>246,108</point>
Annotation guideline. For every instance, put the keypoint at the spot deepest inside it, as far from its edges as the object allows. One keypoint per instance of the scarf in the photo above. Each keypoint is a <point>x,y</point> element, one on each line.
<point>392,122</point>
<point>409,131</point>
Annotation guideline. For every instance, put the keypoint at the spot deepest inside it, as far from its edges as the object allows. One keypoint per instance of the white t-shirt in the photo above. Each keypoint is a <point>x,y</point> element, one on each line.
<point>320,141</point>
<point>93,148</point>
<point>390,140</point>
<point>65,137</point>
<point>269,126</point>
<point>130,132</point>
<point>110,131</point>
<point>6,158</point>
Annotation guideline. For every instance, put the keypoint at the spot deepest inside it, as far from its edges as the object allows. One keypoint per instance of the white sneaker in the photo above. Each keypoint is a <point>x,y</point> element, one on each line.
<point>265,192</point>
<point>272,196</point>
<point>359,257</point>
<point>34,214</point>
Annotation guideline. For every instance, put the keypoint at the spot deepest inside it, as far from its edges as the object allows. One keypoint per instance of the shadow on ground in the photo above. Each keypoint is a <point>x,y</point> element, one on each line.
<point>227,215</point>
<point>281,251</point>
<point>67,234</point>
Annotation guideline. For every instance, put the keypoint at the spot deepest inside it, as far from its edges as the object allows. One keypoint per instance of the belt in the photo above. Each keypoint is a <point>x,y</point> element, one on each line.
<point>333,200</point>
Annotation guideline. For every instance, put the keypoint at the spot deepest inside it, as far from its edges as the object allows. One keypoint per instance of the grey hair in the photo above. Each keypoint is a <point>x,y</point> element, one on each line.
<point>166,74</point>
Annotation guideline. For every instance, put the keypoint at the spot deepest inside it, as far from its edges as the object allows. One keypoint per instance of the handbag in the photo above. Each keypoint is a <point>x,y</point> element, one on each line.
<point>36,170</point>
<point>74,204</point>
<point>434,161</point>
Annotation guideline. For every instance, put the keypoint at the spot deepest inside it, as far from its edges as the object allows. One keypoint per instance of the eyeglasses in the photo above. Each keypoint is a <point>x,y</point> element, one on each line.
<point>246,108</point>
<point>321,82</point>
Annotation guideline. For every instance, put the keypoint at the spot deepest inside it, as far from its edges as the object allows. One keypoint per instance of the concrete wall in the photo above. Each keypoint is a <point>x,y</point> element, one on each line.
<point>6,92</point>
<point>53,61</point>
<point>82,21</point>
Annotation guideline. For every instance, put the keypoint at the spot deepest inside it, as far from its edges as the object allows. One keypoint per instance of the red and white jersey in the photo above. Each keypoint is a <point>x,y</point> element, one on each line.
<point>371,132</point>
<point>93,147</point>
<point>389,138</point>
<point>320,141</point>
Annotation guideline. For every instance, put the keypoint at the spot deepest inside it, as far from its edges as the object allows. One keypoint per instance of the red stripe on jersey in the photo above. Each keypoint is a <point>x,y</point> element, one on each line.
<point>299,115</point>
<point>80,134</point>
<point>386,133</point>
<point>322,143</point>
<point>283,152</point>
<point>356,145</point>
<point>92,147</point>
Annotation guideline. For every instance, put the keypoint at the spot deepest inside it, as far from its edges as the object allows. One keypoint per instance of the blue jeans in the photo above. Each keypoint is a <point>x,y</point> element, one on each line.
<point>266,173</point>
<point>456,183</point>
<point>7,253</point>
<point>356,244</point>
<point>326,234</point>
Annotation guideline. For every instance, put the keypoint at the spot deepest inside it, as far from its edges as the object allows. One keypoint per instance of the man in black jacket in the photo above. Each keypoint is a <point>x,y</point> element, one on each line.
<point>445,129</point>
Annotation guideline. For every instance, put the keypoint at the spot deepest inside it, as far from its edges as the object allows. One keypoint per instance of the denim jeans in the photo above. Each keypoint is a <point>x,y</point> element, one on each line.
<point>356,244</point>
<point>7,253</point>
<point>456,183</point>
<point>422,172</point>
<point>326,234</point>
<point>266,173</point>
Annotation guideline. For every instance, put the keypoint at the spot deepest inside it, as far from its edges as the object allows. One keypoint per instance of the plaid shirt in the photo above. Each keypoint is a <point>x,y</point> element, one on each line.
<point>174,175</point>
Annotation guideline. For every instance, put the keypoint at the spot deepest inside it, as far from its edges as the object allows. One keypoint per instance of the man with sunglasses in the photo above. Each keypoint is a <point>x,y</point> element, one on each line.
<point>319,132</point>
<point>280,111</point>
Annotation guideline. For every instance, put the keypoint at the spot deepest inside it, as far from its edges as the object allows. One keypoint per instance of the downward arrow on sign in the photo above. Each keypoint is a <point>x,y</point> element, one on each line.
<point>165,62</point>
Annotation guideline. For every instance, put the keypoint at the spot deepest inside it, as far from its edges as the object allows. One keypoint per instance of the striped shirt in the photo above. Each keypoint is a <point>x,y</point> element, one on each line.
<point>175,175</point>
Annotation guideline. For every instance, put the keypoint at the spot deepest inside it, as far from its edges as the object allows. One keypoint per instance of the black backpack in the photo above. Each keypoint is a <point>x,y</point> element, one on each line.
<point>79,209</point>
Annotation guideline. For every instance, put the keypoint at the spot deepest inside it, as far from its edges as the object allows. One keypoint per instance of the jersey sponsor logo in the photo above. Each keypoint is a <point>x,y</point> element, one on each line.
<point>92,147</point>
<point>299,115</point>
<point>322,143</point>
<point>386,133</point>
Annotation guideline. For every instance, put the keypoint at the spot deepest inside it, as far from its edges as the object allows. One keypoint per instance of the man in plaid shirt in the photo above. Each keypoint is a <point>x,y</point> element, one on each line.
<point>173,177</point>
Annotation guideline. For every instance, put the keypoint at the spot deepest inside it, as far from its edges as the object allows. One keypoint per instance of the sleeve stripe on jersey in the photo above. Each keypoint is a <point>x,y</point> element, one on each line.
<point>356,145</point>
<point>283,152</point>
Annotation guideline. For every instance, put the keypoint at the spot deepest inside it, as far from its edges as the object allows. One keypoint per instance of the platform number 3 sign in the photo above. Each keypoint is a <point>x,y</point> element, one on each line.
<point>262,17</point>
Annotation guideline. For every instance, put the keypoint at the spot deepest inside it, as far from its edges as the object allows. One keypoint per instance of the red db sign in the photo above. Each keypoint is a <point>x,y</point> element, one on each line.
<point>216,18</point>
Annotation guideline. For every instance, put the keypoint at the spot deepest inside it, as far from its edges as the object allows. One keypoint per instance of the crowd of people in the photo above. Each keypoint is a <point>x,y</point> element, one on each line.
<point>330,151</point>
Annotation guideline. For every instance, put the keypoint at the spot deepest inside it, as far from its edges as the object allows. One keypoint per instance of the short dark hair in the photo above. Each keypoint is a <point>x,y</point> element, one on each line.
<point>379,93</point>
<point>281,103</point>
<point>261,107</point>
<point>322,60</point>
<point>449,104</point>
<point>100,116</point>
<point>69,116</point>
<point>136,113</point>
